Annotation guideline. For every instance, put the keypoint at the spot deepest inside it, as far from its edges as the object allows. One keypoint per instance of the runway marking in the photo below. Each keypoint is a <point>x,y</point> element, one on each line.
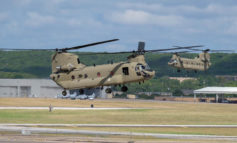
<point>65,108</point>
<point>30,130</point>
<point>122,125</point>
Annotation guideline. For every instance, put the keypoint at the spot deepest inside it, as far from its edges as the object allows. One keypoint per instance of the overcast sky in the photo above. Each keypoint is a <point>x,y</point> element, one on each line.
<point>160,23</point>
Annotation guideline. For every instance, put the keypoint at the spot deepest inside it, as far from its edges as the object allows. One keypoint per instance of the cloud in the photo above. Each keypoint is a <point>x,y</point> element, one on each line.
<point>22,2</point>
<point>74,22</point>
<point>183,9</point>
<point>142,17</point>
<point>36,20</point>
<point>187,17</point>
<point>3,16</point>
<point>65,22</point>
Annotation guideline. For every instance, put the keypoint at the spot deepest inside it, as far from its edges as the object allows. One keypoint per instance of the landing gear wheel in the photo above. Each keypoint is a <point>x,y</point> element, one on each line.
<point>108,90</point>
<point>124,89</point>
<point>64,93</point>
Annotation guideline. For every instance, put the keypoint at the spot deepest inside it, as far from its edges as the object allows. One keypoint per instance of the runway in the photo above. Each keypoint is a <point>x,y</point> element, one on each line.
<point>65,108</point>
<point>32,130</point>
<point>121,125</point>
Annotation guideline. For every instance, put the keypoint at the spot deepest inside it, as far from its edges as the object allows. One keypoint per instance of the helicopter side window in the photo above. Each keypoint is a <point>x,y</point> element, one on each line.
<point>125,71</point>
<point>85,75</point>
<point>98,74</point>
<point>78,61</point>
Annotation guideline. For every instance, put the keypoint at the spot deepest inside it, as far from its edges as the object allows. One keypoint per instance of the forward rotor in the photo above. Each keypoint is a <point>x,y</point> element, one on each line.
<point>62,49</point>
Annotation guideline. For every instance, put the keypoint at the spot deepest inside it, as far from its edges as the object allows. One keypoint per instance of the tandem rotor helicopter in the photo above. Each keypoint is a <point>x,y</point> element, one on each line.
<point>199,63</point>
<point>71,74</point>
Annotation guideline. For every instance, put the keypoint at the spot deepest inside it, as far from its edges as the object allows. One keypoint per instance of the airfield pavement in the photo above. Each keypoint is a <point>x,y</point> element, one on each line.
<point>115,121</point>
<point>30,130</point>
<point>66,108</point>
<point>16,138</point>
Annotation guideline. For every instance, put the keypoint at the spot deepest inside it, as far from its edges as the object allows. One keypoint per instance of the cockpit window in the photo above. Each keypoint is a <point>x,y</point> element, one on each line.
<point>173,61</point>
<point>140,67</point>
<point>78,61</point>
<point>147,67</point>
<point>125,71</point>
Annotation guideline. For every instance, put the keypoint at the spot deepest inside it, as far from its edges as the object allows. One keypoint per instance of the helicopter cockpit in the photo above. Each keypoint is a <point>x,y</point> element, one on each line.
<point>141,67</point>
<point>172,62</point>
<point>144,70</point>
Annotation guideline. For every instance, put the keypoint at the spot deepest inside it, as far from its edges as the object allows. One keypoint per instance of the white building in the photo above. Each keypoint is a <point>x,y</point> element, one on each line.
<point>41,88</point>
<point>29,88</point>
<point>218,91</point>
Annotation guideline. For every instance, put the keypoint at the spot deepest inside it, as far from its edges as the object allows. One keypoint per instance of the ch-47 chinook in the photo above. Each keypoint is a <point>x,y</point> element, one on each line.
<point>71,74</point>
<point>200,63</point>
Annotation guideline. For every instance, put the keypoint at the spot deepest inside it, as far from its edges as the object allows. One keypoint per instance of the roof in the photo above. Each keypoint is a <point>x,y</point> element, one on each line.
<point>28,82</point>
<point>216,90</point>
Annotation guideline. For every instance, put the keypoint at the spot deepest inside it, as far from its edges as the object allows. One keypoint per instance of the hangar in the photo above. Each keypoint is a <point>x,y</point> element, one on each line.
<point>41,88</point>
<point>218,91</point>
<point>29,88</point>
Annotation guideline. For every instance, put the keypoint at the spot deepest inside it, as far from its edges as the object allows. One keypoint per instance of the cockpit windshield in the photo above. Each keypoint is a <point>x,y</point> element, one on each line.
<point>173,61</point>
<point>141,67</point>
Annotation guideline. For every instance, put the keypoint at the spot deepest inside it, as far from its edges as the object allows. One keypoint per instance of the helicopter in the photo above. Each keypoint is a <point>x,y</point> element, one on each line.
<point>199,63</point>
<point>71,74</point>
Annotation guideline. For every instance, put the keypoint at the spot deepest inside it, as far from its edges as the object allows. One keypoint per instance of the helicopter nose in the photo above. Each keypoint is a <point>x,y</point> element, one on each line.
<point>152,74</point>
<point>149,74</point>
<point>170,63</point>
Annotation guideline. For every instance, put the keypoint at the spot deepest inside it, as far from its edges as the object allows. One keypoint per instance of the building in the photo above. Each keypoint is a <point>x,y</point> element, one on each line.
<point>131,96</point>
<point>182,79</point>
<point>44,88</point>
<point>155,93</point>
<point>227,77</point>
<point>40,88</point>
<point>220,92</point>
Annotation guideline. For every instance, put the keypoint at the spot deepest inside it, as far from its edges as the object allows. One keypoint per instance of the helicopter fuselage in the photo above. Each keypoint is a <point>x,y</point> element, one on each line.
<point>120,73</point>
<point>200,63</point>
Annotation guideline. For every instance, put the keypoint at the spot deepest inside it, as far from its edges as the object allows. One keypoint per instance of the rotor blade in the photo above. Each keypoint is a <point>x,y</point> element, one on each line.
<point>100,53</point>
<point>87,45</point>
<point>231,51</point>
<point>145,51</point>
<point>177,48</point>
<point>6,49</point>
<point>187,47</point>
<point>213,51</point>
<point>196,49</point>
<point>179,52</point>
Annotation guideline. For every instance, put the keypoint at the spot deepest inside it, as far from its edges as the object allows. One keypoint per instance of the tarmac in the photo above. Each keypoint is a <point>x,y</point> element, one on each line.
<point>121,125</point>
<point>38,130</point>
<point>28,130</point>
<point>65,108</point>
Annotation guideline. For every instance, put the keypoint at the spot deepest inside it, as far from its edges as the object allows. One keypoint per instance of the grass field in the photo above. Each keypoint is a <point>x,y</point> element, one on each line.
<point>160,113</point>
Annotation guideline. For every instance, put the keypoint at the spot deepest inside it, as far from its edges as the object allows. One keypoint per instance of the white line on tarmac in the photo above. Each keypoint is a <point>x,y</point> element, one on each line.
<point>65,108</point>
<point>122,125</point>
<point>26,130</point>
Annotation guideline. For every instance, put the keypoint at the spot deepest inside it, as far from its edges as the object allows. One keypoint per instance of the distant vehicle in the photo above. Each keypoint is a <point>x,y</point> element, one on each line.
<point>91,97</point>
<point>75,94</point>
<point>82,97</point>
